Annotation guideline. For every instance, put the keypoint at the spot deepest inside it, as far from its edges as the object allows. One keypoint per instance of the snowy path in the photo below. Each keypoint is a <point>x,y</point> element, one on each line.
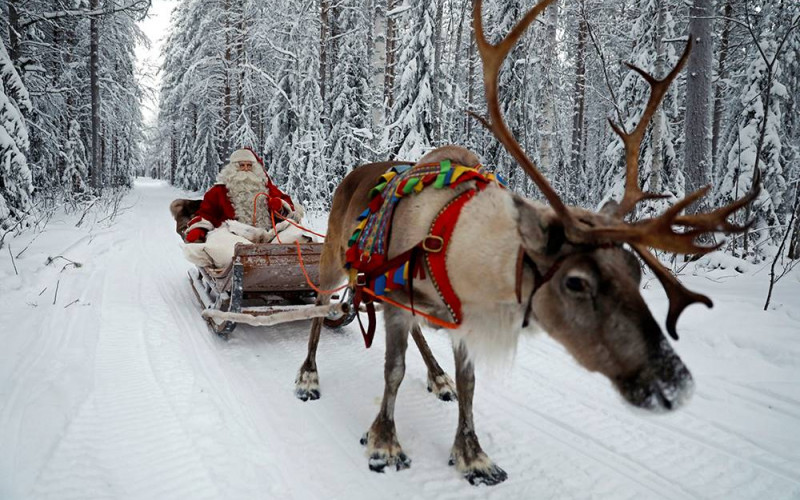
<point>125,394</point>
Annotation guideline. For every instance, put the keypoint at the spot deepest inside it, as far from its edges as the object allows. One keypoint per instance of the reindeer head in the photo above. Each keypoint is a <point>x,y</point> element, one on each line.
<point>586,292</point>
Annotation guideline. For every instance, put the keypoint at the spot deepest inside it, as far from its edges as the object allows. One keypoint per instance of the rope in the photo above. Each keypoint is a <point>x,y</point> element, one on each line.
<point>274,227</point>
<point>308,278</point>
<point>432,319</point>
<point>298,226</point>
<point>300,255</point>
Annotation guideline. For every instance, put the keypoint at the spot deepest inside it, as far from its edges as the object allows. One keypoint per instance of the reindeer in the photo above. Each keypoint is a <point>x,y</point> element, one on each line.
<point>580,283</point>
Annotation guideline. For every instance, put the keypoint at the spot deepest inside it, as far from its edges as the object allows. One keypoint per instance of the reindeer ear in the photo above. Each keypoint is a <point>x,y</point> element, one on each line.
<point>541,231</point>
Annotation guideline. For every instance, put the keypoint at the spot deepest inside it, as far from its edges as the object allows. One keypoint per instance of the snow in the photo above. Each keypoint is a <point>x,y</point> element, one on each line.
<point>111,385</point>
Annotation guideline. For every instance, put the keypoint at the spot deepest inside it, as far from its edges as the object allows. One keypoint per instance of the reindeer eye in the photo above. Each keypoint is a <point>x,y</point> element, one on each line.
<point>575,284</point>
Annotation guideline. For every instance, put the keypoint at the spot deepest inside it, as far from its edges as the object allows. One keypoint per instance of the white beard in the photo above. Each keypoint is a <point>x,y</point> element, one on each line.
<point>243,187</point>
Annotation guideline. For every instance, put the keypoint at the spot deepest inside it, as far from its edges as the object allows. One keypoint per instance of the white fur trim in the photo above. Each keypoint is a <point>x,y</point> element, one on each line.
<point>220,245</point>
<point>202,224</point>
<point>244,155</point>
<point>254,234</point>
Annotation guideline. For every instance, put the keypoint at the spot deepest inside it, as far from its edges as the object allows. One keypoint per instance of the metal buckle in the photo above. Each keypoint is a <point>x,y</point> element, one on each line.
<point>361,279</point>
<point>426,243</point>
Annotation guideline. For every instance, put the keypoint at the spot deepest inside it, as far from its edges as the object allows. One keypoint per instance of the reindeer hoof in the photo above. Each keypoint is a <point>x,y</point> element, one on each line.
<point>489,476</point>
<point>307,386</point>
<point>380,459</point>
<point>304,395</point>
<point>386,452</point>
<point>478,469</point>
<point>442,386</point>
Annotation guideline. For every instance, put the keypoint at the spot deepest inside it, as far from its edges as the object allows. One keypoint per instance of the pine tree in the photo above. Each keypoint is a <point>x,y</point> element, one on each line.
<point>76,164</point>
<point>16,183</point>
<point>737,175</point>
<point>351,92</point>
<point>410,127</point>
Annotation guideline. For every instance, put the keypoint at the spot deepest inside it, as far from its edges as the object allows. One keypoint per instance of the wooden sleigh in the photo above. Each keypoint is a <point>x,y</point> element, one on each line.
<point>265,284</point>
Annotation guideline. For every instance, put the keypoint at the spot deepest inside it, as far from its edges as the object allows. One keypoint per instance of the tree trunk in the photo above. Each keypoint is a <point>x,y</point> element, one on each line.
<point>470,81</point>
<point>241,33</point>
<point>547,98</point>
<point>722,73</point>
<point>94,81</point>
<point>579,97</point>
<point>323,44</point>
<point>657,164</point>
<point>455,54</point>
<point>224,145</point>
<point>13,32</point>
<point>794,246</point>
<point>698,96</point>
<point>391,42</point>
<point>437,60</point>
<point>377,55</point>
<point>173,156</point>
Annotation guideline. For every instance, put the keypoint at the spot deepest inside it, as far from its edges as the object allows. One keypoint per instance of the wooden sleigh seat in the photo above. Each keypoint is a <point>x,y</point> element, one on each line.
<point>271,267</point>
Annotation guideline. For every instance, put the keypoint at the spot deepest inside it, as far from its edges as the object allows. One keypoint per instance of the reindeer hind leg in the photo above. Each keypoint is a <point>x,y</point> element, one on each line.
<point>439,382</point>
<point>467,455</point>
<point>381,440</point>
<point>331,273</point>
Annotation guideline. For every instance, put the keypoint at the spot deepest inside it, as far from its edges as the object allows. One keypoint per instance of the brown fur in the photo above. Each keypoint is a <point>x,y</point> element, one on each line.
<point>183,211</point>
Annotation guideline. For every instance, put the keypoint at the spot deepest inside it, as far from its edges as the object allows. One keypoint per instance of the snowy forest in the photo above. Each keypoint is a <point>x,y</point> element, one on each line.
<point>325,86</point>
<point>121,378</point>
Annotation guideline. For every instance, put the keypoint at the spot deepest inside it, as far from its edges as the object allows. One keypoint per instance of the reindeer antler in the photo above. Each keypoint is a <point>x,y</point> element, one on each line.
<point>633,141</point>
<point>493,57</point>
<point>669,231</point>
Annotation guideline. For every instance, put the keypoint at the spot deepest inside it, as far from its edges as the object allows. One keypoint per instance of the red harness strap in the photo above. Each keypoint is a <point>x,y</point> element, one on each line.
<point>441,230</point>
<point>434,246</point>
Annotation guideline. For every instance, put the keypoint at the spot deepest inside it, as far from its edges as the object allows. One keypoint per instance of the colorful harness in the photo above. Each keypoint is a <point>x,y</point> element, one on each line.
<point>372,275</point>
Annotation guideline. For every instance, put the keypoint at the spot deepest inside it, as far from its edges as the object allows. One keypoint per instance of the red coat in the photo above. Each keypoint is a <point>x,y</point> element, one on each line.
<point>216,208</point>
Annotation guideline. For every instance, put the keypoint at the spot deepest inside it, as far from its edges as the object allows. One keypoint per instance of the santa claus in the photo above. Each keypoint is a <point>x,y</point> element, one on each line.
<point>239,208</point>
<point>244,193</point>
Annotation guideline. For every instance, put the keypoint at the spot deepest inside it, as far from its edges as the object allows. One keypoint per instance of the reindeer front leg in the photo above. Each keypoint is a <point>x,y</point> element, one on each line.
<point>381,439</point>
<point>439,383</point>
<point>467,455</point>
<point>306,385</point>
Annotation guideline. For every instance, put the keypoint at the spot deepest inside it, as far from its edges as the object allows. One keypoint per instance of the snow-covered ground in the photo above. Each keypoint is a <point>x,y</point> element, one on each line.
<point>111,386</point>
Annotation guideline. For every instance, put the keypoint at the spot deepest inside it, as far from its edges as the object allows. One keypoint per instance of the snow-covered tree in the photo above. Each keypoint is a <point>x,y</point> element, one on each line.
<point>16,183</point>
<point>351,92</point>
<point>76,163</point>
<point>658,164</point>
<point>737,175</point>
<point>410,127</point>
